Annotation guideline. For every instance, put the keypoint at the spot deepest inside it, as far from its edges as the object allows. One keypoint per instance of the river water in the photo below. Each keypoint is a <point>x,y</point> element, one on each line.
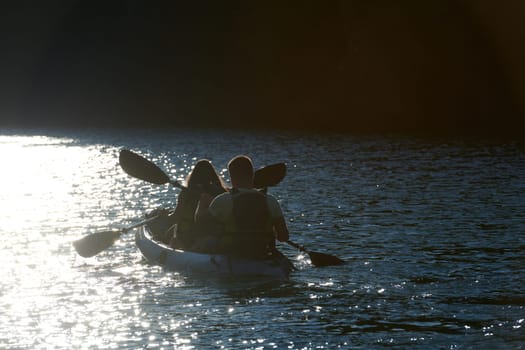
<point>432,231</point>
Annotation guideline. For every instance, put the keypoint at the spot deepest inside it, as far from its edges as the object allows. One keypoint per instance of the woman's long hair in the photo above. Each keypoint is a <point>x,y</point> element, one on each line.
<point>204,174</point>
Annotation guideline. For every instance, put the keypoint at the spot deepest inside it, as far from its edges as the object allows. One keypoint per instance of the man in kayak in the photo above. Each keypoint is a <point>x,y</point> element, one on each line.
<point>248,221</point>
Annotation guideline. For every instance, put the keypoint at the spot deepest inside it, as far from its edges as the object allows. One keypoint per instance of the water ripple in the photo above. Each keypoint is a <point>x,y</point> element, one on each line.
<point>431,231</point>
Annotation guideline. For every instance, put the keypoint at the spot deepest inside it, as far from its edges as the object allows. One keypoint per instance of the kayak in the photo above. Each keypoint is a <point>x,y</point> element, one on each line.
<point>276,267</point>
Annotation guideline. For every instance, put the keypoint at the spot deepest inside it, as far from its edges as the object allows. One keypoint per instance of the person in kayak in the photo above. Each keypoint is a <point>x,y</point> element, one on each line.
<point>202,182</point>
<point>248,221</point>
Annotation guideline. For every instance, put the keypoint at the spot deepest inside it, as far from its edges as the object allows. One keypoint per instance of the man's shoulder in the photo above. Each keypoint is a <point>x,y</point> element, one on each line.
<point>222,199</point>
<point>271,198</point>
<point>221,206</point>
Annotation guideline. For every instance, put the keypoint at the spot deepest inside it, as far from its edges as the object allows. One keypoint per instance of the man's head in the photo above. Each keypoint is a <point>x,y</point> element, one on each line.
<point>241,171</point>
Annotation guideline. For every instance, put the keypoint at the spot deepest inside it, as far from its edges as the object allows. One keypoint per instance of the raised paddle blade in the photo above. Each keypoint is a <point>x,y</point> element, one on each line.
<point>269,175</point>
<point>141,168</point>
<point>93,244</point>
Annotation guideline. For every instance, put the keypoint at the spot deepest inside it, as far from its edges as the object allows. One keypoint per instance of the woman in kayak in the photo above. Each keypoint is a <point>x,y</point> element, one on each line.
<point>202,182</point>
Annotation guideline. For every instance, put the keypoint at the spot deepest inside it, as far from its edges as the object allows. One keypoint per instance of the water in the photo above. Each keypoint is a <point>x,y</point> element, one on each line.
<point>433,232</point>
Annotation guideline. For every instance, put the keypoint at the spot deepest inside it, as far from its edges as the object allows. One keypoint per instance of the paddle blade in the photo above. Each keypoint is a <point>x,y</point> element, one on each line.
<point>318,259</point>
<point>269,175</point>
<point>141,168</point>
<point>321,259</point>
<point>93,244</point>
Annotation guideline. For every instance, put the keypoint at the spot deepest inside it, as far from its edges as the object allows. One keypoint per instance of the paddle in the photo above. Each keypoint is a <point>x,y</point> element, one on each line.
<point>94,243</point>
<point>141,168</point>
<point>269,176</point>
<point>318,259</point>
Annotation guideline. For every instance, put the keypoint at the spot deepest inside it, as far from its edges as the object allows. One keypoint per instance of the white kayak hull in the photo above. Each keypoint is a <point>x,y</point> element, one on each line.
<point>277,267</point>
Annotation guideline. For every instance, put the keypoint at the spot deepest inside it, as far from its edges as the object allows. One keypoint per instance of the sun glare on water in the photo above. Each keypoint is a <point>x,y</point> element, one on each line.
<point>40,178</point>
<point>47,200</point>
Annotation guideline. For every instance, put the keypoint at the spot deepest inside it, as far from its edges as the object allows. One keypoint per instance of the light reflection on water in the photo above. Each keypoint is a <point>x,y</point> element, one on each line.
<point>433,233</point>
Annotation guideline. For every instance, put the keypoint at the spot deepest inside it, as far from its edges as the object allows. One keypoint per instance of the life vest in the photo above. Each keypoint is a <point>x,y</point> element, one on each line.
<point>249,232</point>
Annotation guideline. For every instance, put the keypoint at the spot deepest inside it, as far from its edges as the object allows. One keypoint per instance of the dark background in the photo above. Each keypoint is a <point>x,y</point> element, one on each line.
<point>433,66</point>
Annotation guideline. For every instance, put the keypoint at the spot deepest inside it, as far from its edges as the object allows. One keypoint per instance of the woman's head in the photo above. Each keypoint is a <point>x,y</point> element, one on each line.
<point>203,174</point>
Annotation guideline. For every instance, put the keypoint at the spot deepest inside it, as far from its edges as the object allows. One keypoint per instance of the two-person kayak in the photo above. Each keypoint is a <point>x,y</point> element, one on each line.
<point>276,266</point>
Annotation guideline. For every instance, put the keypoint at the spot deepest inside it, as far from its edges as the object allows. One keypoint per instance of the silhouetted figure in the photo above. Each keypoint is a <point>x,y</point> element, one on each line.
<point>246,221</point>
<point>202,182</point>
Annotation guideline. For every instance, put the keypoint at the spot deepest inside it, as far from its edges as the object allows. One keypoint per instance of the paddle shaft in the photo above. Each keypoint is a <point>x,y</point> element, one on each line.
<point>295,245</point>
<point>139,224</point>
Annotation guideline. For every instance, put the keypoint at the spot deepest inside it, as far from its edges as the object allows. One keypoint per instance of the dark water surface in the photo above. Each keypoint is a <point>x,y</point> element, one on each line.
<point>433,232</point>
